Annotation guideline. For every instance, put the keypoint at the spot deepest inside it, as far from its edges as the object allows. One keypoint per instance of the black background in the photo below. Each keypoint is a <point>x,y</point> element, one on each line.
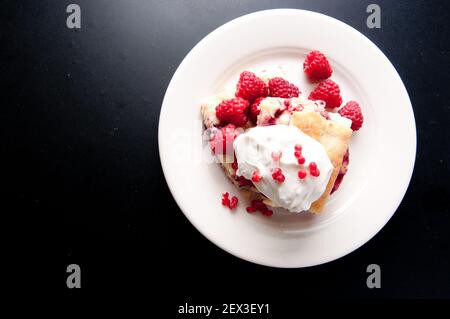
<point>80,115</point>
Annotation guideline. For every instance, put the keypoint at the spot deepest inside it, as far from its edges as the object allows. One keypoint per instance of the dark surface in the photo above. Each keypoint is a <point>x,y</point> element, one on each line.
<point>81,111</point>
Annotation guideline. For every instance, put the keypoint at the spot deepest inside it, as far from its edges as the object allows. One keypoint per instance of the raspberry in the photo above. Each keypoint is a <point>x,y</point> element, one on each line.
<point>352,111</point>
<point>316,66</point>
<point>254,109</point>
<point>250,87</point>
<point>222,140</point>
<point>329,92</point>
<point>233,111</point>
<point>279,87</point>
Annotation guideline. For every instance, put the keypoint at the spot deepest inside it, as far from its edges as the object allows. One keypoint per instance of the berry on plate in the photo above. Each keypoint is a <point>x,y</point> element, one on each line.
<point>352,111</point>
<point>233,111</point>
<point>329,92</point>
<point>250,87</point>
<point>279,87</point>
<point>316,66</point>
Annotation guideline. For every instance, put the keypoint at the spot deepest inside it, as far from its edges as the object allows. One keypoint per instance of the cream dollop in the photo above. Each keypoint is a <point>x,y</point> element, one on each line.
<point>254,150</point>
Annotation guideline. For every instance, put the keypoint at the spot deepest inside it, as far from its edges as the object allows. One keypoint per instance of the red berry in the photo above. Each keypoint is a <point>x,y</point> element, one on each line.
<point>251,209</point>
<point>297,154</point>
<point>279,87</point>
<point>313,170</point>
<point>254,109</point>
<point>277,175</point>
<point>352,111</point>
<point>329,92</point>
<point>298,147</point>
<point>250,87</point>
<point>242,181</point>
<point>302,174</point>
<point>276,171</point>
<point>276,156</point>
<point>301,160</point>
<point>222,140</point>
<point>260,206</point>
<point>225,199</point>
<point>234,202</point>
<point>267,212</point>
<point>316,66</point>
<point>256,177</point>
<point>233,111</point>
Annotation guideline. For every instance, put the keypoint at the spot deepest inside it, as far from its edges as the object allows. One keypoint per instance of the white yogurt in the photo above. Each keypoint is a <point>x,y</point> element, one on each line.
<point>254,153</point>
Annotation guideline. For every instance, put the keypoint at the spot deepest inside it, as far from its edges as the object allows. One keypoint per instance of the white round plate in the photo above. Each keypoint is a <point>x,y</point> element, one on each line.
<point>382,153</point>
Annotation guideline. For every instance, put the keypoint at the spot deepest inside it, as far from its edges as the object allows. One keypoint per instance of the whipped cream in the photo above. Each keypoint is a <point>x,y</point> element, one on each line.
<point>254,149</point>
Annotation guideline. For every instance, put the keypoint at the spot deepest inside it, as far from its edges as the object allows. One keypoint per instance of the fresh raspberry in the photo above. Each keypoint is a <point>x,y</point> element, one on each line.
<point>329,92</point>
<point>233,111</point>
<point>254,109</point>
<point>222,140</point>
<point>250,87</point>
<point>352,111</point>
<point>316,66</point>
<point>279,87</point>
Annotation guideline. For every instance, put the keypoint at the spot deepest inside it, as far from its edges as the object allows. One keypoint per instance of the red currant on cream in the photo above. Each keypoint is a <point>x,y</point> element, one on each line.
<point>313,170</point>
<point>302,174</point>
<point>256,177</point>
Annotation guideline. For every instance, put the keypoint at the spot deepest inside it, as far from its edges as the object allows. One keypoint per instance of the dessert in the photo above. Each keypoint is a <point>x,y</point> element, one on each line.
<point>281,148</point>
